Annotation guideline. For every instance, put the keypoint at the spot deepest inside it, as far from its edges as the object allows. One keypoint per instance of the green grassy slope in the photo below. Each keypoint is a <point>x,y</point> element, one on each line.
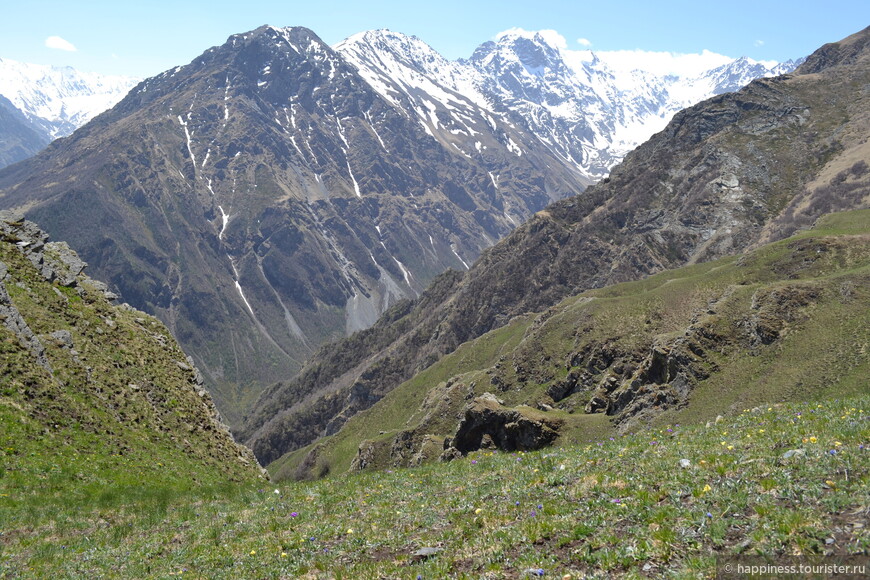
<point>116,405</point>
<point>778,481</point>
<point>787,322</point>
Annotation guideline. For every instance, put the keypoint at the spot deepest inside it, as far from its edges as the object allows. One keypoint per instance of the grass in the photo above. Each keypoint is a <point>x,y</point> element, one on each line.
<point>620,506</point>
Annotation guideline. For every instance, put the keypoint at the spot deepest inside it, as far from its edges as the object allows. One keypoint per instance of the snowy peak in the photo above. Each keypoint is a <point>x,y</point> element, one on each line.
<point>739,73</point>
<point>400,67</point>
<point>592,108</point>
<point>59,99</point>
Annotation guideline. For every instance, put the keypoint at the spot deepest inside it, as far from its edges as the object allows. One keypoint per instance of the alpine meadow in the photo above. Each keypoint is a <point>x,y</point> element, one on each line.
<point>295,310</point>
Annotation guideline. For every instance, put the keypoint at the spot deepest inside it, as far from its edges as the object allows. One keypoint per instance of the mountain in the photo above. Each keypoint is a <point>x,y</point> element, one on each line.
<point>679,347</point>
<point>58,100</point>
<point>724,176</point>
<point>95,396</point>
<point>589,108</point>
<point>20,139</point>
<point>266,198</point>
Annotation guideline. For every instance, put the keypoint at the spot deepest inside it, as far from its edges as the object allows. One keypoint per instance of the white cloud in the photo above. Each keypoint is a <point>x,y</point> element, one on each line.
<point>584,42</point>
<point>759,43</point>
<point>60,44</point>
<point>663,63</point>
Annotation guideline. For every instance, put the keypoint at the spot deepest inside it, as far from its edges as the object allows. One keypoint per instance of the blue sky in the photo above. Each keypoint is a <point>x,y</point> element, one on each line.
<point>147,37</point>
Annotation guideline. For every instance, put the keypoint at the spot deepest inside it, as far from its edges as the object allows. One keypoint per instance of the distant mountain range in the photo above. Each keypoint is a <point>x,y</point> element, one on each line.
<point>276,193</point>
<point>589,108</point>
<point>50,102</point>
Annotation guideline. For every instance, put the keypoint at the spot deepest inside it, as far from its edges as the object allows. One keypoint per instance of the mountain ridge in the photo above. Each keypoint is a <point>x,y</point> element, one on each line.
<point>702,188</point>
<point>263,199</point>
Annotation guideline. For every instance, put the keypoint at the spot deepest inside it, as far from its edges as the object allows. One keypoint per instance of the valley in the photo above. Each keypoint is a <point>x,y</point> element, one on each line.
<point>296,310</point>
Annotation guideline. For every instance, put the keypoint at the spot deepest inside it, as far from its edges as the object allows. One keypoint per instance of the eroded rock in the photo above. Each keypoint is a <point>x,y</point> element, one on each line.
<point>507,428</point>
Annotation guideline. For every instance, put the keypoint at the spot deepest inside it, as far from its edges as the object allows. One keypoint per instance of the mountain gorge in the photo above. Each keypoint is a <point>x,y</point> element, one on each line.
<point>264,199</point>
<point>724,176</point>
<point>276,194</point>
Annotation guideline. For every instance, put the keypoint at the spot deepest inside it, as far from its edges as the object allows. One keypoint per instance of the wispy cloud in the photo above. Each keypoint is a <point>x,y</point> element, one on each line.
<point>60,44</point>
<point>584,42</point>
<point>758,43</point>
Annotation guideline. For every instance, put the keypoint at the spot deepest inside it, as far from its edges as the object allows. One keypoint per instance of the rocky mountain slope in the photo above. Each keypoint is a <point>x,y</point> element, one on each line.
<point>92,393</point>
<point>728,174</point>
<point>682,346</point>
<point>265,198</point>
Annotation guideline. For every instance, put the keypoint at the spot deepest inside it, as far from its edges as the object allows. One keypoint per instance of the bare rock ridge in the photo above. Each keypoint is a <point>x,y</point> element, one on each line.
<point>726,175</point>
<point>77,364</point>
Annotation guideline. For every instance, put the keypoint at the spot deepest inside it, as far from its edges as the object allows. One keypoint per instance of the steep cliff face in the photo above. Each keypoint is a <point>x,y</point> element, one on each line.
<point>265,198</point>
<point>725,175</point>
<point>98,388</point>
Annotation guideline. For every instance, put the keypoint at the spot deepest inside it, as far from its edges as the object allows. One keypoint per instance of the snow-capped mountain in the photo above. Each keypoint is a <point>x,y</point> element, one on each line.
<point>266,198</point>
<point>276,193</point>
<point>589,108</point>
<point>58,100</point>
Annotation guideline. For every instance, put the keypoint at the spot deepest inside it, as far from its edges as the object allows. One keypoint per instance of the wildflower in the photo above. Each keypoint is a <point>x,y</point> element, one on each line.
<point>283,554</point>
<point>478,510</point>
<point>350,530</point>
<point>833,451</point>
<point>294,514</point>
<point>709,515</point>
<point>474,461</point>
<point>253,552</point>
<point>277,492</point>
<point>534,513</point>
<point>813,439</point>
<point>707,488</point>
<point>730,447</point>
<point>837,443</point>
<point>830,483</point>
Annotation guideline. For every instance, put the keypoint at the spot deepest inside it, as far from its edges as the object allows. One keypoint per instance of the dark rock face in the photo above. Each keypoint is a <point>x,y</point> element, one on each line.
<point>487,423</point>
<point>264,199</point>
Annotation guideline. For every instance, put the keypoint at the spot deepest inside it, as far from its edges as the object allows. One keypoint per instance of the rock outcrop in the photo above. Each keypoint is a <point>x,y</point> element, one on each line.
<point>489,424</point>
